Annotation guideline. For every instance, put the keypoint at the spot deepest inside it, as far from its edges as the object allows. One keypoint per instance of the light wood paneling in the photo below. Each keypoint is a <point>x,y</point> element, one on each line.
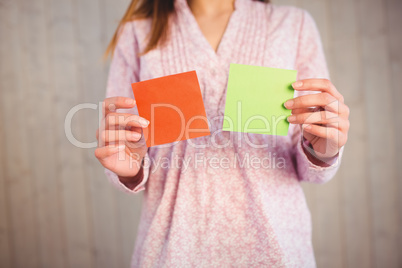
<point>57,209</point>
<point>70,164</point>
<point>4,225</point>
<point>345,64</point>
<point>381,138</point>
<point>393,11</point>
<point>38,116</point>
<point>4,218</point>
<point>19,182</point>
<point>5,228</point>
<point>106,246</point>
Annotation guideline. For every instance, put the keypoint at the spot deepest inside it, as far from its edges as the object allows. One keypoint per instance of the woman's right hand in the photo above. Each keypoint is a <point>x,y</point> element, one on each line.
<point>121,145</point>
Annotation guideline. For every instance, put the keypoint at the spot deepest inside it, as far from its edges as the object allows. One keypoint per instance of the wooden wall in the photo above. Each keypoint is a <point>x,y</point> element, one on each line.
<point>57,208</point>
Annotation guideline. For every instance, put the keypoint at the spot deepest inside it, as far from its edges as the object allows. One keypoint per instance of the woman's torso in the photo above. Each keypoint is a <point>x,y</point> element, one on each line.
<point>251,211</point>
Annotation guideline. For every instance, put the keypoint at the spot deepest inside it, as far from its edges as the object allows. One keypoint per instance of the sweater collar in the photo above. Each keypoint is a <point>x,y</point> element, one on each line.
<point>183,5</point>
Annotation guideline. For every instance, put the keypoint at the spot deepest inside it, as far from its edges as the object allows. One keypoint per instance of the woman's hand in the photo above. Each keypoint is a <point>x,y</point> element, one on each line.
<point>121,146</point>
<point>323,117</point>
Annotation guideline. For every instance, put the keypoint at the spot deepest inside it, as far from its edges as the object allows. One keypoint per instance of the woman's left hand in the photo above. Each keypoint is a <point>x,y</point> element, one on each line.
<point>323,117</point>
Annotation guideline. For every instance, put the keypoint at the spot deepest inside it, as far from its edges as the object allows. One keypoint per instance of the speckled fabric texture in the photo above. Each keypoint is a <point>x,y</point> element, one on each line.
<point>229,199</point>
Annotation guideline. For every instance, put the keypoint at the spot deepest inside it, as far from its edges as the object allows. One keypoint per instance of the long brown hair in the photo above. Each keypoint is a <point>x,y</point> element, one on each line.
<point>158,10</point>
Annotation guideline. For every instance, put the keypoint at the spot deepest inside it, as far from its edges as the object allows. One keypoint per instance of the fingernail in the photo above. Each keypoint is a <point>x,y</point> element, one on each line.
<point>136,135</point>
<point>144,122</point>
<point>297,84</point>
<point>121,147</point>
<point>307,127</point>
<point>289,104</point>
<point>130,101</point>
<point>112,107</point>
<point>291,118</point>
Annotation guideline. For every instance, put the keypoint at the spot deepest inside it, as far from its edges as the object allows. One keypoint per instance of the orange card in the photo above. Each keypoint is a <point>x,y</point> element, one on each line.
<point>173,105</point>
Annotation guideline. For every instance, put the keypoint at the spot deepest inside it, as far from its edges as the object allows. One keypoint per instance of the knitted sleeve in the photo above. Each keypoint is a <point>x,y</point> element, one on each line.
<point>124,70</point>
<point>310,63</point>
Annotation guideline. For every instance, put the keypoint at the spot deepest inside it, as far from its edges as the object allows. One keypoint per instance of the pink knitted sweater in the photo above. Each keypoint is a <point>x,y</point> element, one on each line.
<point>229,199</point>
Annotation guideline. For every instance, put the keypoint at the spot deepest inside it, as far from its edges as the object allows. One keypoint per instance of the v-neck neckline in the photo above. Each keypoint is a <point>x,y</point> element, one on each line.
<point>195,33</point>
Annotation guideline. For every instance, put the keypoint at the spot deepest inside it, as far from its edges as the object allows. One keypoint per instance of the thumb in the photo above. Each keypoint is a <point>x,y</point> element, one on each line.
<point>306,135</point>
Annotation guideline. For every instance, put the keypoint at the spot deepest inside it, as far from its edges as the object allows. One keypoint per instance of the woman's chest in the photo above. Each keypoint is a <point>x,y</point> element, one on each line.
<point>187,49</point>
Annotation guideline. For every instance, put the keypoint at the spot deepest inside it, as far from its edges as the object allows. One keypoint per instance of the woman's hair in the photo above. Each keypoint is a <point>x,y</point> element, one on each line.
<point>158,10</point>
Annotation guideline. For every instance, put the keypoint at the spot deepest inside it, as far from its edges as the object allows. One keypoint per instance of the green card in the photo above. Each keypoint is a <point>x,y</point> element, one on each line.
<point>255,97</point>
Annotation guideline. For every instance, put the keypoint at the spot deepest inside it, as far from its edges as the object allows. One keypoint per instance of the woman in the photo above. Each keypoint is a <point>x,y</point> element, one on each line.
<point>194,213</point>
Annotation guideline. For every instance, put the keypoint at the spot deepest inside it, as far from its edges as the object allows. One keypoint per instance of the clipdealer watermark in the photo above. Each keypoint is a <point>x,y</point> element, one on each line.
<point>230,160</point>
<point>201,161</point>
<point>241,134</point>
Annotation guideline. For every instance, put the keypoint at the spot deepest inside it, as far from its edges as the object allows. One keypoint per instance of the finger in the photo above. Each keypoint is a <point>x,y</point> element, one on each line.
<point>310,100</point>
<point>125,120</point>
<point>103,127</point>
<point>337,123</point>
<point>345,110</point>
<point>106,151</point>
<point>111,104</point>
<point>325,100</point>
<point>321,117</point>
<point>304,110</point>
<point>332,134</point>
<point>132,128</point>
<point>323,85</point>
<point>119,135</point>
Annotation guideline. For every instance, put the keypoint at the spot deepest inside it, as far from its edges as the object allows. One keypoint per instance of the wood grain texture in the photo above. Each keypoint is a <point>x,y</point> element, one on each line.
<point>42,147</point>
<point>5,260</point>
<point>19,182</point>
<point>345,61</point>
<point>90,46</point>
<point>5,228</point>
<point>381,132</point>
<point>393,11</point>
<point>5,231</point>
<point>57,209</point>
<point>70,164</point>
